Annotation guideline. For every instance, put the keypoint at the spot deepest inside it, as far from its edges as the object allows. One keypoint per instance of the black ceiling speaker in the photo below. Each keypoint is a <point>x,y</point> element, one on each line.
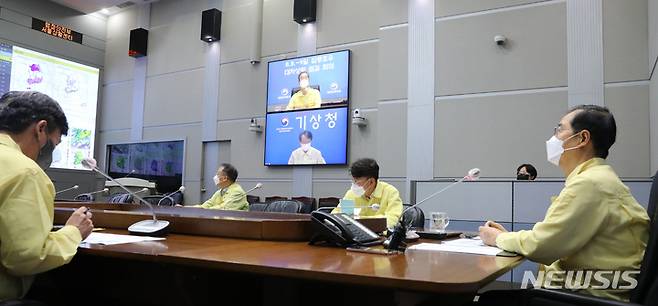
<point>211,25</point>
<point>138,42</point>
<point>304,11</point>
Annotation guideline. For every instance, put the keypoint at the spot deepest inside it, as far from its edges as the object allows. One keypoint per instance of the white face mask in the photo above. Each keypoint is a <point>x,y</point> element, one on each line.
<point>306,146</point>
<point>554,149</point>
<point>216,180</point>
<point>357,190</point>
<point>303,83</point>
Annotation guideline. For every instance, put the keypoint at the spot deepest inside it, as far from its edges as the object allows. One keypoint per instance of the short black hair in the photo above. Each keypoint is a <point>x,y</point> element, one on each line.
<point>529,168</point>
<point>365,167</point>
<point>308,135</point>
<point>600,123</point>
<point>230,172</point>
<point>299,76</point>
<point>19,109</point>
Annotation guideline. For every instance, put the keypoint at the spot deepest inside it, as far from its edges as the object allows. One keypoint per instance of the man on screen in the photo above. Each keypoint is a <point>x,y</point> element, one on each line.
<point>306,97</point>
<point>305,154</point>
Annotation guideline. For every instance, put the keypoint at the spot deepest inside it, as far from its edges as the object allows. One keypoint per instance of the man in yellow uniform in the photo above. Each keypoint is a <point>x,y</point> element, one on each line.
<point>31,125</point>
<point>306,154</point>
<point>594,224</point>
<point>230,195</point>
<point>368,190</point>
<point>306,97</point>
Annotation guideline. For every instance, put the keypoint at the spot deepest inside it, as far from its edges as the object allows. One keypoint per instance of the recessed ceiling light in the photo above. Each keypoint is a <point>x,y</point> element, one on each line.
<point>105,11</point>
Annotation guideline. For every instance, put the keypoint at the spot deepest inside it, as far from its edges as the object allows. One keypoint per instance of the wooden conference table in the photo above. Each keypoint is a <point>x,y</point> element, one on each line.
<point>188,269</point>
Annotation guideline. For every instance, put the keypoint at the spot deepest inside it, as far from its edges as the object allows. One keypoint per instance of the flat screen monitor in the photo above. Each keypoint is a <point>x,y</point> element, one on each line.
<point>311,137</point>
<point>307,110</point>
<point>73,85</point>
<point>326,77</point>
<point>160,162</point>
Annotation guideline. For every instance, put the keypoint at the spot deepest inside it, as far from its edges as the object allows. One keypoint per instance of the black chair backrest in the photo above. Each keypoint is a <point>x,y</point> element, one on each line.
<point>274,198</point>
<point>257,206</point>
<point>85,197</point>
<point>328,202</point>
<point>296,89</point>
<point>253,199</point>
<point>647,286</point>
<point>284,206</point>
<point>121,198</point>
<point>153,199</point>
<point>309,204</point>
<point>414,218</point>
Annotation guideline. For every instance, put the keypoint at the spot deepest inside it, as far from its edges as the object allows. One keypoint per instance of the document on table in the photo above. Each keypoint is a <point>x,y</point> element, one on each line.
<point>110,239</point>
<point>464,245</point>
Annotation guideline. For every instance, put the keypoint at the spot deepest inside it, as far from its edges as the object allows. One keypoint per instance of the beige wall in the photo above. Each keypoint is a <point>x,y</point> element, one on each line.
<point>494,109</point>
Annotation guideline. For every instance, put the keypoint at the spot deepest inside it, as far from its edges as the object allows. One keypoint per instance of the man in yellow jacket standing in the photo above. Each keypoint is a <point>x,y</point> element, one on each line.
<point>594,224</point>
<point>31,125</point>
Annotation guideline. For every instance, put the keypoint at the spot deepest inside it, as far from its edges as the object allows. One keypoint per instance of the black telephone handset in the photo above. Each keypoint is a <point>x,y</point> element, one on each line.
<point>341,230</point>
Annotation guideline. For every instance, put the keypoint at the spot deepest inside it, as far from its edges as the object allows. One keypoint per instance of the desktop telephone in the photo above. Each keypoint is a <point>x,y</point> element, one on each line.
<point>341,230</point>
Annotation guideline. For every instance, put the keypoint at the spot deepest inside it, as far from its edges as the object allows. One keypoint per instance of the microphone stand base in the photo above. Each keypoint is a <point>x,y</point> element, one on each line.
<point>154,228</point>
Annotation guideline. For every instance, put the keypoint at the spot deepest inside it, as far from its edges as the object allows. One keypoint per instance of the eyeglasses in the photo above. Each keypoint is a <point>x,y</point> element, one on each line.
<point>559,128</point>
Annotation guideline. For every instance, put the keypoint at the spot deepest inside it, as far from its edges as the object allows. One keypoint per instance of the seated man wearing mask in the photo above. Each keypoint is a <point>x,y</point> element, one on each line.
<point>31,125</point>
<point>594,224</point>
<point>307,96</point>
<point>367,190</point>
<point>230,195</point>
<point>306,154</point>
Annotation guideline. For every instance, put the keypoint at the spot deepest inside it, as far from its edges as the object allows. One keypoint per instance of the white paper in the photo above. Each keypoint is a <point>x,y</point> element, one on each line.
<point>464,245</point>
<point>110,239</point>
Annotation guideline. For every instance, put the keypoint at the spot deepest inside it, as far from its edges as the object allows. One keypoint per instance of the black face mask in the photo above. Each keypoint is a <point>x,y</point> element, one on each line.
<point>523,177</point>
<point>45,157</point>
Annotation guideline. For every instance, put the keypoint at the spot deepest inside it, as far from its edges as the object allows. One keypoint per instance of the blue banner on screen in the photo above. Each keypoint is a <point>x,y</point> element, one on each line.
<point>311,137</point>
<point>326,86</point>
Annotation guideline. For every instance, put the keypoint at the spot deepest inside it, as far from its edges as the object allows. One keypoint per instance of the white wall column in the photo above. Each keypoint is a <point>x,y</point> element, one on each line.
<point>302,177</point>
<point>139,79</point>
<point>585,52</point>
<point>420,104</point>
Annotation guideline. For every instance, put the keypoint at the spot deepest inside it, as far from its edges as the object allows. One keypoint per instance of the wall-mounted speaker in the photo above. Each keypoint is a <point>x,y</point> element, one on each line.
<point>138,42</point>
<point>211,25</point>
<point>304,11</point>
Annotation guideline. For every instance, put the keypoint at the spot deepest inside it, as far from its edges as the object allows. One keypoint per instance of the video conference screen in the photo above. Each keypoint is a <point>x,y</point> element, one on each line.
<point>324,131</point>
<point>307,110</point>
<point>74,86</point>
<point>159,162</point>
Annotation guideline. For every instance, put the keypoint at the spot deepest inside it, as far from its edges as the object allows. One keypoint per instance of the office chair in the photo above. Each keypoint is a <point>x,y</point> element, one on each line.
<point>121,198</point>
<point>84,197</point>
<point>414,218</point>
<point>296,89</point>
<point>309,204</point>
<point>284,206</point>
<point>646,292</point>
<point>328,202</point>
<point>274,198</point>
<point>257,206</point>
<point>253,199</point>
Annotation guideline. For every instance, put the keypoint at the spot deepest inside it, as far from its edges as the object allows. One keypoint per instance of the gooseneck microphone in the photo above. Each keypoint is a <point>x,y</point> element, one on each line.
<point>168,196</point>
<point>259,185</point>
<point>152,227</point>
<point>74,187</point>
<point>396,241</point>
<point>99,191</point>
